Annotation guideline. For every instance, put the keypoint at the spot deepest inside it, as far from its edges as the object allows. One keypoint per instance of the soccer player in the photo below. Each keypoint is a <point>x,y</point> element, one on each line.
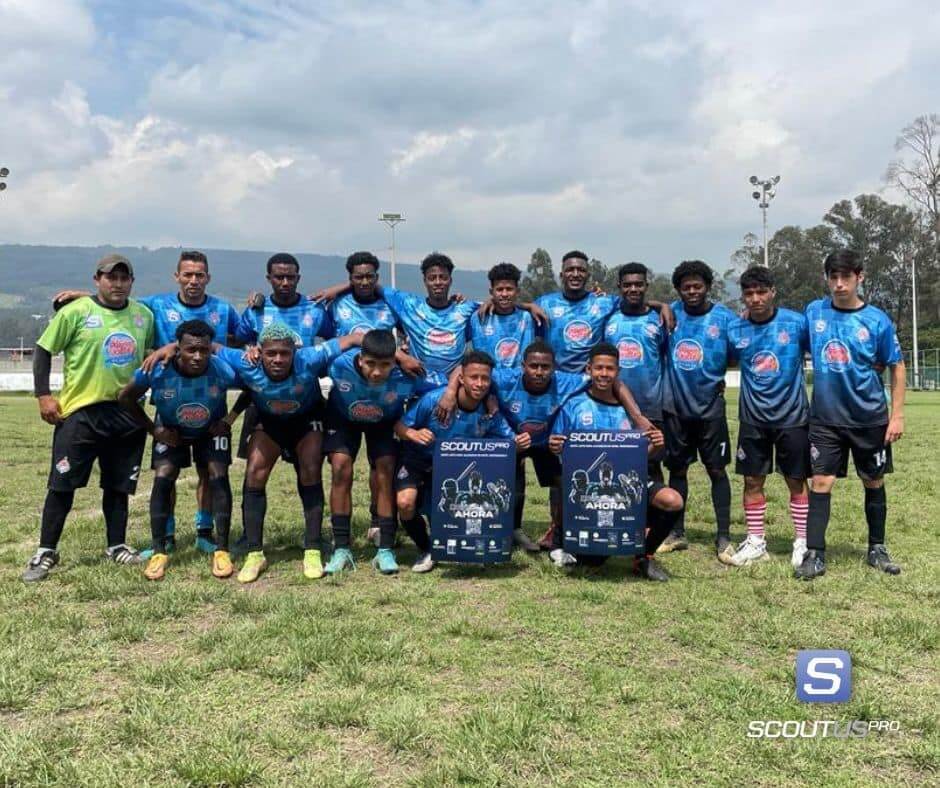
<point>104,338</point>
<point>696,422</point>
<point>850,340</point>
<point>368,396</point>
<point>361,309</point>
<point>773,411</point>
<point>420,428</point>
<point>598,409</point>
<point>191,426</point>
<point>506,331</point>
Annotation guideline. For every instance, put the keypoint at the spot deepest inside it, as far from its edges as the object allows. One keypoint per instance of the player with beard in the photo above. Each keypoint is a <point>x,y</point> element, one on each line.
<point>507,330</point>
<point>598,409</point>
<point>420,428</point>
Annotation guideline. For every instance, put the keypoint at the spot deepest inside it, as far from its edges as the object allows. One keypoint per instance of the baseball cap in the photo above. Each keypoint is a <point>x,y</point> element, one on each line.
<point>111,261</point>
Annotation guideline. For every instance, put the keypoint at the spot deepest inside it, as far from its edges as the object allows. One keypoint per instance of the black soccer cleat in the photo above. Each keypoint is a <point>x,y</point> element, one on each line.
<point>814,565</point>
<point>650,569</point>
<point>879,559</point>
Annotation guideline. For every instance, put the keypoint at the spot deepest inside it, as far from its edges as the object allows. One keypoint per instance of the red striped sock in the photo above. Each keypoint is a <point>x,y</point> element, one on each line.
<point>799,508</point>
<point>754,517</point>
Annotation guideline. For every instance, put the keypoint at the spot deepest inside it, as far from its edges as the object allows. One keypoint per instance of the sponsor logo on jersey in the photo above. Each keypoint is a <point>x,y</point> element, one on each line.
<point>742,343</point>
<point>364,410</point>
<point>173,316</point>
<point>139,321</point>
<point>507,350</point>
<point>652,329</point>
<point>765,364</point>
<point>625,424</point>
<point>586,418</point>
<point>595,309</point>
<point>213,391</point>
<point>783,338</point>
<point>169,393</point>
<point>93,321</point>
<point>215,318</point>
<point>533,427</point>
<point>862,334</point>
<point>63,466</point>
<point>836,355</point>
<point>119,349</point>
<point>192,414</point>
<point>344,312</point>
<point>391,396</point>
<point>713,331</point>
<point>440,337</point>
<point>688,355</point>
<point>361,328</point>
<point>578,332</point>
<point>267,320</point>
<point>283,407</point>
<point>307,320</point>
<point>344,386</point>
<point>515,406</point>
<point>819,326</point>
<point>488,330</point>
<point>558,311</point>
<point>631,353</point>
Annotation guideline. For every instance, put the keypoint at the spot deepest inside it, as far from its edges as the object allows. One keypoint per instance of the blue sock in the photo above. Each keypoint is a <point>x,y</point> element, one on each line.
<point>171,525</point>
<point>203,520</point>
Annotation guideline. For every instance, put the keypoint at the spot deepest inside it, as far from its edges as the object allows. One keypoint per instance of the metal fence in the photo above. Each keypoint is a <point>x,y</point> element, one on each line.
<point>928,369</point>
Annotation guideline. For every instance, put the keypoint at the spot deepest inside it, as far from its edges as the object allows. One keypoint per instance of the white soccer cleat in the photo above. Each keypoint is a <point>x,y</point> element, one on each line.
<point>799,552</point>
<point>424,563</point>
<point>752,549</point>
<point>561,559</point>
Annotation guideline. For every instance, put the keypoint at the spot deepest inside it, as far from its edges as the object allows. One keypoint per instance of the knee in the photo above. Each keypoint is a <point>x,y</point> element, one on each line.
<point>716,474</point>
<point>873,484</point>
<point>668,500</point>
<point>256,477</point>
<point>166,471</point>
<point>217,472</point>
<point>406,505</point>
<point>753,485</point>
<point>384,470</point>
<point>822,484</point>
<point>341,466</point>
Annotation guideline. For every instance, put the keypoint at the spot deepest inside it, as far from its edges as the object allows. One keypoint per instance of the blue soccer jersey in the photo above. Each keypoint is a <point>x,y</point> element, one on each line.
<point>351,316</point>
<point>436,337</point>
<point>643,344</point>
<point>534,413</point>
<point>698,360</point>
<point>169,312</point>
<point>574,327</point>
<point>770,355</point>
<point>306,319</point>
<point>355,400</point>
<point>584,413</point>
<point>846,345</point>
<point>189,404</point>
<point>298,392</point>
<point>474,424</point>
<point>504,337</point>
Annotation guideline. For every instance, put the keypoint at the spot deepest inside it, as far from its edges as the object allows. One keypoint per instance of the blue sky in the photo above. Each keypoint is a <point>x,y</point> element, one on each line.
<point>627,129</point>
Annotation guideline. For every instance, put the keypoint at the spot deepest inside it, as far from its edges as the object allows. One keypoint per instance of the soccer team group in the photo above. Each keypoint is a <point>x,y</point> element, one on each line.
<point>407,371</point>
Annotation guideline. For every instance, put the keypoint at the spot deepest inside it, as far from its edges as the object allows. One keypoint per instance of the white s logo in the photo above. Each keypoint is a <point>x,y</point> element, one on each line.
<point>834,679</point>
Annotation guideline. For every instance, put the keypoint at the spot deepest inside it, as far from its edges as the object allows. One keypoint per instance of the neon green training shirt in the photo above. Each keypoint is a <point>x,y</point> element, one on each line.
<point>102,349</point>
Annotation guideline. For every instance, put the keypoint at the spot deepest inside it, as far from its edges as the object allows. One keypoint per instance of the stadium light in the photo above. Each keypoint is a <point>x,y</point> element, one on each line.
<point>764,196</point>
<point>392,219</point>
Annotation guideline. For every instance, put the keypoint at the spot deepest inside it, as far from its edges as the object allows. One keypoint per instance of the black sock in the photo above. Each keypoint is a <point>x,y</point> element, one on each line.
<point>520,495</point>
<point>254,507</point>
<point>114,506</point>
<point>373,516</point>
<point>721,500</point>
<point>221,490</point>
<point>681,485</point>
<point>386,526</point>
<point>660,525</point>
<point>311,495</point>
<point>417,529</point>
<point>161,501</point>
<point>342,526</point>
<point>876,513</point>
<point>54,511</point>
<point>817,520</point>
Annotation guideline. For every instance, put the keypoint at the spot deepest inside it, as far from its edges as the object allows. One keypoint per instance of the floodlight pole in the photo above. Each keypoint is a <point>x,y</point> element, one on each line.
<point>914,316</point>
<point>767,192</point>
<point>391,219</point>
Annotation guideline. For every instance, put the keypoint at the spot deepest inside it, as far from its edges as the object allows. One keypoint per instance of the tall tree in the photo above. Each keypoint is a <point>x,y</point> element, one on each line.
<point>539,277</point>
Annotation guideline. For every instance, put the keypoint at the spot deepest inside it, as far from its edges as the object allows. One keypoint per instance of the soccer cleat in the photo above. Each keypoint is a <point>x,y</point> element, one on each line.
<point>374,535</point>
<point>156,566</point>
<point>650,569</point>
<point>205,542</point>
<point>222,564</point>
<point>340,561</point>
<point>673,542</point>
<point>424,563</point>
<point>40,564</point>
<point>521,538</point>
<point>878,558</point>
<point>561,559</point>
<point>724,549</point>
<point>799,550</point>
<point>123,554</point>
<point>385,562</point>
<point>255,564</point>
<point>313,565</point>
<point>752,549</point>
<point>814,565</point>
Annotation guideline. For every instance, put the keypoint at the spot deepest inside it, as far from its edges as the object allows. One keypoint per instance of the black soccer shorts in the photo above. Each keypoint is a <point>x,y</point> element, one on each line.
<point>829,449</point>
<point>758,444</point>
<point>705,438</point>
<point>102,431</point>
<point>345,436</point>
<point>201,451</point>
<point>288,431</point>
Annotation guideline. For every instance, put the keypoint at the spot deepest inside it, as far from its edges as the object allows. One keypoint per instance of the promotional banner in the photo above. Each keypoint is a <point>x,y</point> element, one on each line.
<point>604,492</point>
<point>473,487</point>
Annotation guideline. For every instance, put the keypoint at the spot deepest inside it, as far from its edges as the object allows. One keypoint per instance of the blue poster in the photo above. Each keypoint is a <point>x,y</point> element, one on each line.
<point>604,492</point>
<point>473,487</point>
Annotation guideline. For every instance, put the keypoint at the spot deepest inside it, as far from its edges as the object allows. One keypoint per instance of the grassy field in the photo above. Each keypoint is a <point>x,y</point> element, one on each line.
<point>515,675</point>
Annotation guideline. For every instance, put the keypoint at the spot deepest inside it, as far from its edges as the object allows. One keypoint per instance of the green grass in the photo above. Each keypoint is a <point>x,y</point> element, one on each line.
<point>513,675</point>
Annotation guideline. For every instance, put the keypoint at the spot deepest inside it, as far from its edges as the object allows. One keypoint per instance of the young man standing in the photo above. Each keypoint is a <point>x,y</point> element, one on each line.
<point>598,409</point>
<point>696,422</point>
<point>189,394</point>
<point>361,309</point>
<point>773,412</point>
<point>368,396</point>
<point>506,331</point>
<point>104,338</point>
<point>850,341</point>
<point>420,428</point>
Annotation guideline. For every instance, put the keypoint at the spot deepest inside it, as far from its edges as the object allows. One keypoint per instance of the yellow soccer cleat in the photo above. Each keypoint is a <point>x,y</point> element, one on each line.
<point>156,566</point>
<point>222,564</point>
<point>313,565</point>
<point>255,564</point>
